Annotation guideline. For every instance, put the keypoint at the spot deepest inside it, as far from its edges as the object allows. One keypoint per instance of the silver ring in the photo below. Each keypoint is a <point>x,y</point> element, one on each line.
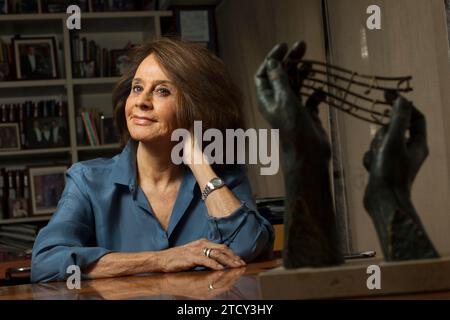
<point>207,251</point>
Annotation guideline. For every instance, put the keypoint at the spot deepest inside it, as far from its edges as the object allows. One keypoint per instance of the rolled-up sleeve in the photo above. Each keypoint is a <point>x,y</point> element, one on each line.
<point>245,231</point>
<point>69,237</point>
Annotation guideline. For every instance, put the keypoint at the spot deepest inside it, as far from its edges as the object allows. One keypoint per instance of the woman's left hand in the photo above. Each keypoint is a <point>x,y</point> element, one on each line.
<point>192,152</point>
<point>193,254</point>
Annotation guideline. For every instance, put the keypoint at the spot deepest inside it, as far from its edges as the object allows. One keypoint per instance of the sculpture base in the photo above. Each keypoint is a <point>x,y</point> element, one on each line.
<point>350,280</point>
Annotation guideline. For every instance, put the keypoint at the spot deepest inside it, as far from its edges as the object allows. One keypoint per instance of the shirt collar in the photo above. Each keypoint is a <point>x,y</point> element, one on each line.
<point>125,172</point>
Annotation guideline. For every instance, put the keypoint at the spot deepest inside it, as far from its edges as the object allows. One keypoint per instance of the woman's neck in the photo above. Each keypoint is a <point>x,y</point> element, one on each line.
<point>154,165</point>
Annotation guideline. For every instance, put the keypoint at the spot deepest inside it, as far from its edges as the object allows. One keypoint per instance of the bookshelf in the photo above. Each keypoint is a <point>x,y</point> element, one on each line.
<point>112,30</point>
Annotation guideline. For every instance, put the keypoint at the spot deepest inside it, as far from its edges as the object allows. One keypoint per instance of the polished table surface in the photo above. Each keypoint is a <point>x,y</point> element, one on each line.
<point>232,284</point>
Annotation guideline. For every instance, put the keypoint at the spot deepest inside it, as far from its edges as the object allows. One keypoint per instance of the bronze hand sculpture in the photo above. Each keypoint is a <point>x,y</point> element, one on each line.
<point>311,238</point>
<point>393,162</point>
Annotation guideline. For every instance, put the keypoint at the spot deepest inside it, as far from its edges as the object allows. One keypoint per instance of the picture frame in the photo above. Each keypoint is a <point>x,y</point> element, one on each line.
<point>197,24</point>
<point>47,184</point>
<point>46,132</point>
<point>9,137</point>
<point>119,62</point>
<point>35,57</point>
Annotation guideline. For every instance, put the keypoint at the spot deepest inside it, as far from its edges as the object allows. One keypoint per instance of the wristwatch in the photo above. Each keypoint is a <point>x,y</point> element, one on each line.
<point>213,184</point>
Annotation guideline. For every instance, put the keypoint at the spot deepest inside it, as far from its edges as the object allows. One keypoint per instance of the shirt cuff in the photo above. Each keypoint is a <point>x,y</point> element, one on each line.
<point>223,229</point>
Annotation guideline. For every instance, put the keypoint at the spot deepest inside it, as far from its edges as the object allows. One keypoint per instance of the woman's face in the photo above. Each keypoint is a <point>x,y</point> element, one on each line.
<point>150,109</point>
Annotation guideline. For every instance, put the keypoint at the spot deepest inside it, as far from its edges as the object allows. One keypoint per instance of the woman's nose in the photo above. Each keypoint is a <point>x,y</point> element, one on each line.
<point>144,102</point>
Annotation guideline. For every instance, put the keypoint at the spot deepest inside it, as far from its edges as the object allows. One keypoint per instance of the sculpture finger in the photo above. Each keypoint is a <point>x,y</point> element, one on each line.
<point>400,120</point>
<point>279,81</point>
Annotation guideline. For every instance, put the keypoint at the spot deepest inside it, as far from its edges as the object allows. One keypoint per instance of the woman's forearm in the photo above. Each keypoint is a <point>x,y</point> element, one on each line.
<point>220,203</point>
<point>123,264</point>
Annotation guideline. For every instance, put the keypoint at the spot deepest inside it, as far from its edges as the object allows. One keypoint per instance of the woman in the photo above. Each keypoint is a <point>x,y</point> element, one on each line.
<point>139,212</point>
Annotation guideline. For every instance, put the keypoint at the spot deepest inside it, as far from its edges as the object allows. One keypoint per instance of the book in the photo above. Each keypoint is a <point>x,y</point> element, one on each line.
<point>90,129</point>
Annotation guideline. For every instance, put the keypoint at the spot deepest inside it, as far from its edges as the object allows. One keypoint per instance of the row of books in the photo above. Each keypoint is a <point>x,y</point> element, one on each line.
<point>60,6</point>
<point>33,125</point>
<point>18,238</point>
<point>90,60</point>
<point>94,128</point>
<point>14,194</point>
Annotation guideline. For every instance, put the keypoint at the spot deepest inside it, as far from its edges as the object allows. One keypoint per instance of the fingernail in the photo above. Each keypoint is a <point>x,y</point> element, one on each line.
<point>272,64</point>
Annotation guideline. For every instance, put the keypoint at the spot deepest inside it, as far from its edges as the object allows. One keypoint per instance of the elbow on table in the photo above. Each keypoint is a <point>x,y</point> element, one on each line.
<point>261,247</point>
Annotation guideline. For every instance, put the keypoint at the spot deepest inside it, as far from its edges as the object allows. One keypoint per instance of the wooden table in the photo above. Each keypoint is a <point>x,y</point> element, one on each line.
<point>9,260</point>
<point>233,284</point>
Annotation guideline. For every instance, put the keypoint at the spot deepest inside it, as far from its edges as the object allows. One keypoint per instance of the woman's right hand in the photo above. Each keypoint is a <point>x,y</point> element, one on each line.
<point>192,255</point>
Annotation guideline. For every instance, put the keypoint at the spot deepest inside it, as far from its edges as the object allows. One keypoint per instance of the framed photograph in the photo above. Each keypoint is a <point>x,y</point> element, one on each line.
<point>197,24</point>
<point>48,132</point>
<point>9,137</point>
<point>46,186</point>
<point>35,58</point>
<point>119,62</point>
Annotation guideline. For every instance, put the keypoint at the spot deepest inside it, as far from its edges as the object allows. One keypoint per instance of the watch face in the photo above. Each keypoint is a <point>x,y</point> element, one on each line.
<point>217,182</point>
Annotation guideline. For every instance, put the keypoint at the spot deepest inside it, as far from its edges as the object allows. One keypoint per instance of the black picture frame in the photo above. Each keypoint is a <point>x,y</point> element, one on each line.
<point>197,24</point>
<point>119,61</point>
<point>43,49</point>
<point>47,132</point>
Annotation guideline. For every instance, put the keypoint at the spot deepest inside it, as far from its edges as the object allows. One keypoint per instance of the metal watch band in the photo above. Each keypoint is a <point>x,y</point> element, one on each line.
<point>210,187</point>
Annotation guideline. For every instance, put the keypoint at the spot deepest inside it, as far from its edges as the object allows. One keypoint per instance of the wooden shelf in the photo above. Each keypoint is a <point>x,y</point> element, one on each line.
<point>33,152</point>
<point>112,146</point>
<point>94,81</point>
<point>33,83</point>
<point>84,15</point>
<point>25,220</point>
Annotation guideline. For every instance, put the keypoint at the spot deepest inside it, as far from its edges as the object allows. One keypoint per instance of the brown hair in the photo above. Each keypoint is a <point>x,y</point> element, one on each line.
<point>206,90</point>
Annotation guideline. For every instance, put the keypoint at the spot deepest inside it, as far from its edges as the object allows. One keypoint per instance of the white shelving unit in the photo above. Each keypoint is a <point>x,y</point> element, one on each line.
<point>112,30</point>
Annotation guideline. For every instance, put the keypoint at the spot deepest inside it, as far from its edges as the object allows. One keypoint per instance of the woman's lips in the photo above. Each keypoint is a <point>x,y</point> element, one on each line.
<point>142,121</point>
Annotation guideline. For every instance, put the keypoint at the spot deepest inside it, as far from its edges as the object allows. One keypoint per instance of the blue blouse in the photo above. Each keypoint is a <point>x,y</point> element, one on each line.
<point>103,210</point>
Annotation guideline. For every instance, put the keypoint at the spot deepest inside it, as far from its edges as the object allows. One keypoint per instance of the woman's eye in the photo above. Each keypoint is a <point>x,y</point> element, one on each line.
<point>162,92</point>
<point>136,88</point>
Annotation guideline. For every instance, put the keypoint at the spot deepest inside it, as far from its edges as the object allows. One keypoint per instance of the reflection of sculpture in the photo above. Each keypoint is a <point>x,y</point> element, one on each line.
<point>310,228</point>
<point>393,162</point>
